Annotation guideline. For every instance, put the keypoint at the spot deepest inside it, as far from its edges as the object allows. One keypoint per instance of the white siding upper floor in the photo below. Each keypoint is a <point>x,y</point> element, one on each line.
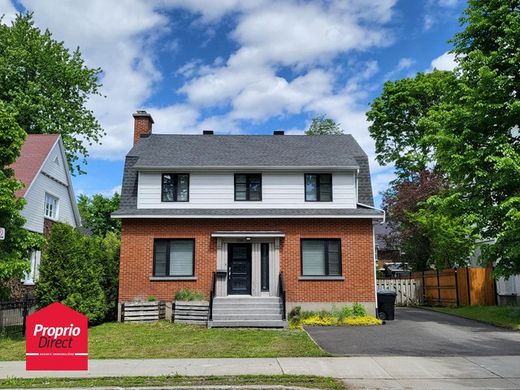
<point>52,179</point>
<point>214,190</point>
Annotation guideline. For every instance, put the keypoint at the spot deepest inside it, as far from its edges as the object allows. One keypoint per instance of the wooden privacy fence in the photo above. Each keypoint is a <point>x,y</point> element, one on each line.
<point>458,286</point>
<point>408,290</point>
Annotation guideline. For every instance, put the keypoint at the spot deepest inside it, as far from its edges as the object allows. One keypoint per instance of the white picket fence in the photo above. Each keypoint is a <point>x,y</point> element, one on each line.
<point>409,291</point>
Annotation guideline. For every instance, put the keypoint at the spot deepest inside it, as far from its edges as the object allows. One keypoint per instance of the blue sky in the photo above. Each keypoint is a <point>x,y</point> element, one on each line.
<point>242,66</point>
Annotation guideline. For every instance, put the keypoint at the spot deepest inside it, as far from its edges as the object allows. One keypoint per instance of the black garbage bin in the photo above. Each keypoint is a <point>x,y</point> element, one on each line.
<point>386,304</point>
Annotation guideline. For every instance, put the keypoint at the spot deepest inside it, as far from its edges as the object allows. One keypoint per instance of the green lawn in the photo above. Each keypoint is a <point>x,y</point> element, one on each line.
<point>316,382</point>
<point>166,340</point>
<point>506,316</point>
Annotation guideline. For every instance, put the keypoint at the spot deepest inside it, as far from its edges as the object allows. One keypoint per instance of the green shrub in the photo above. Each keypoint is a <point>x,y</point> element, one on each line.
<point>71,273</point>
<point>186,294</point>
<point>151,298</point>
<point>358,310</point>
<point>81,272</point>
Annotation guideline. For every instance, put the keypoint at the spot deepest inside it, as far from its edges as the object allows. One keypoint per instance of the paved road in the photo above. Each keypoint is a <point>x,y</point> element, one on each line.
<point>417,332</point>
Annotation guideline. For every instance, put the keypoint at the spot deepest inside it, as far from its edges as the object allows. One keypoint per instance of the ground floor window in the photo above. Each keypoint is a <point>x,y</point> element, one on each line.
<point>321,257</point>
<point>174,257</point>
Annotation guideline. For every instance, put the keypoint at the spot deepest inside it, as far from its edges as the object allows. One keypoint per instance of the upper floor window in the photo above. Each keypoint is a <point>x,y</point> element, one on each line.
<point>248,186</point>
<point>321,257</point>
<point>51,206</point>
<point>174,257</point>
<point>318,187</point>
<point>175,187</point>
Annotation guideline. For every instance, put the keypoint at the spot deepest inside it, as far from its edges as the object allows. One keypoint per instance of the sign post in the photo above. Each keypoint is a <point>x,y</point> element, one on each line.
<point>56,339</point>
<point>2,233</point>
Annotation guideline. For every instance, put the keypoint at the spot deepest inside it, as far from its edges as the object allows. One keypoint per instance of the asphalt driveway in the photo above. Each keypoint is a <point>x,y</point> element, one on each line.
<point>418,332</point>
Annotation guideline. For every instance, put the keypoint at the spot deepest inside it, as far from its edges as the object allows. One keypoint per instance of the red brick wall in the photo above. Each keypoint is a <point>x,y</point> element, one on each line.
<point>357,256</point>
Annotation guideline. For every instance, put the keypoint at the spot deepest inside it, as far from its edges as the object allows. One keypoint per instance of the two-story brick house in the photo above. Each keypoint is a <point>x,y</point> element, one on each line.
<point>255,222</point>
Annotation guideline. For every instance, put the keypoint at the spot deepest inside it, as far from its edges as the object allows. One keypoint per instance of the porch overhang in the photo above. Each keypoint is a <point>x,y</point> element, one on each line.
<point>246,234</point>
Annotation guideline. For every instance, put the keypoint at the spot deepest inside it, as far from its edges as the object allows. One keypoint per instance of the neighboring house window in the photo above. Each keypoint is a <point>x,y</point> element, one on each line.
<point>321,257</point>
<point>51,206</point>
<point>175,187</point>
<point>33,275</point>
<point>174,257</point>
<point>248,187</point>
<point>318,187</point>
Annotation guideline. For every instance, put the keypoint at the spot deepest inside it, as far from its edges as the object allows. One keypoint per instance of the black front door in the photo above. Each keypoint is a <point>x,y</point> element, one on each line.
<point>239,269</point>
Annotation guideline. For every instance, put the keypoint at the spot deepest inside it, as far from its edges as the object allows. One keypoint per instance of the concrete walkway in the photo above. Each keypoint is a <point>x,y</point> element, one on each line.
<point>502,372</point>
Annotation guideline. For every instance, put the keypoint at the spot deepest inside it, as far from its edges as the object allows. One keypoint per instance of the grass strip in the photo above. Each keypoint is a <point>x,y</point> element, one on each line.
<point>175,380</point>
<point>503,316</point>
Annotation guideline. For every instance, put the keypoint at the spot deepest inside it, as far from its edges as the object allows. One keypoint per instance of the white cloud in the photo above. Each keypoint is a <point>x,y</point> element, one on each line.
<point>116,37</point>
<point>445,61</point>
<point>120,37</point>
<point>305,37</point>
<point>273,95</point>
<point>8,11</point>
<point>298,34</point>
<point>447,3</point>
<point>175,119</point>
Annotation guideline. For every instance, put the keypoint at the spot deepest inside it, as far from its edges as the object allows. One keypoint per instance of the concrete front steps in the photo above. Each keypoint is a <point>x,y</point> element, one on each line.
<point>247,312</point>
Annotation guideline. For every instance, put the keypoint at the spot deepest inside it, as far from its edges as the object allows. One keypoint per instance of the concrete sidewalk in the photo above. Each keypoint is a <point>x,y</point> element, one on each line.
<point>501,372</point>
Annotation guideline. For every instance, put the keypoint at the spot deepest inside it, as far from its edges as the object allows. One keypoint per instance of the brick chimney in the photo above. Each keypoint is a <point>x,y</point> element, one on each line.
<point>143,122</point>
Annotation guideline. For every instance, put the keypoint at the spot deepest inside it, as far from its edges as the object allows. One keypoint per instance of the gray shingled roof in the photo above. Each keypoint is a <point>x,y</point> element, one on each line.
<point>183,151</point>
<point>167,151</point>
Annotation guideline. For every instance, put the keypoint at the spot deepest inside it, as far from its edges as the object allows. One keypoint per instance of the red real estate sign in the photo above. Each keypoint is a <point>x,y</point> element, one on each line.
<point>56,339</point>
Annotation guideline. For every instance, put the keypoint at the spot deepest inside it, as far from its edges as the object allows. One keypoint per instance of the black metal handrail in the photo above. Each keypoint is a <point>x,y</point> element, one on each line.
<point>212,295</point>
<point>281,287</point>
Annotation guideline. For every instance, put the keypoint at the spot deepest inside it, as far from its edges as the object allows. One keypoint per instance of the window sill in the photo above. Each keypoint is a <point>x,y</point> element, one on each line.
<point>172,278</point>
<point>321,278</point>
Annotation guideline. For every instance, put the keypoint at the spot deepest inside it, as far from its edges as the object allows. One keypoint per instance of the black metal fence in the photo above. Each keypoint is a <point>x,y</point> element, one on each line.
<point>13,315</point>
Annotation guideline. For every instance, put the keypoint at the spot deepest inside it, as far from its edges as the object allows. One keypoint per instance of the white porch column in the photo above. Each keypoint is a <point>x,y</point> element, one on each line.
<point>221,265</point>
<point>274,266</point>
<point>255,269</point>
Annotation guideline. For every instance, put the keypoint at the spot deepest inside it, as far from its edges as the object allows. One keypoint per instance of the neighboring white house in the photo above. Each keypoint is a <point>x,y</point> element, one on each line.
<point>43,169</point>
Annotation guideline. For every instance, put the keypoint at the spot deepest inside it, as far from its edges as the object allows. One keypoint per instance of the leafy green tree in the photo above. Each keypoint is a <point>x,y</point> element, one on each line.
<point>477,138</point>
<point>71,273</point>
<point>401,201</point>
<point>18,241</point>
<point>321,125</point>
<point>469,132</point>
<point>95,213</point>
<point>450,234</point>
<point>48,87</point>
<point>400,124</point>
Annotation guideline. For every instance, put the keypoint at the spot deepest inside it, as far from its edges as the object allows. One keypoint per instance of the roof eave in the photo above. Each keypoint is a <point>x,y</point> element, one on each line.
<point>209,216</point>
<point>246,167</point>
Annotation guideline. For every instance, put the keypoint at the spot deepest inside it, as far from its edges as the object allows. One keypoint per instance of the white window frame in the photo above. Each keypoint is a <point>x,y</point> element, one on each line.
<point>55,206</point>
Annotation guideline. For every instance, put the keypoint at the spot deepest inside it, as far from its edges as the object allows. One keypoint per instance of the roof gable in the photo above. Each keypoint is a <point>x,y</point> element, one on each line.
<point>33,154</point>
